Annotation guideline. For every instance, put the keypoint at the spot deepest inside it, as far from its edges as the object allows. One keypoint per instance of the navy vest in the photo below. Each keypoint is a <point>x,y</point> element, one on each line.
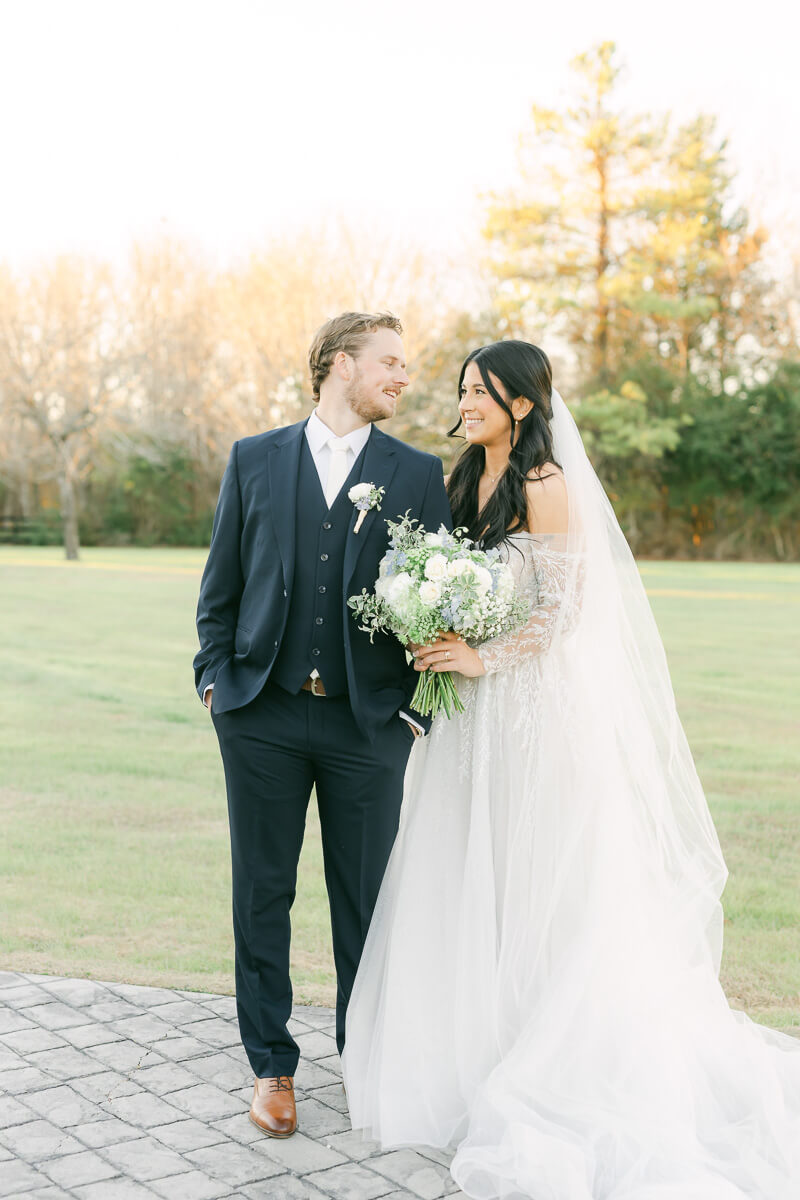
<point>313,635</point>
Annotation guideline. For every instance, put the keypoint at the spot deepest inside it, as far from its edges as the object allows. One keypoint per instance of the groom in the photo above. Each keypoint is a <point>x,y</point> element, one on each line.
<point>299,697</point>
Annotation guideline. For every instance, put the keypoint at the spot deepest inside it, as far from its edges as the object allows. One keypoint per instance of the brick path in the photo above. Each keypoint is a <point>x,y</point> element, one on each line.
<point>112,1092</point>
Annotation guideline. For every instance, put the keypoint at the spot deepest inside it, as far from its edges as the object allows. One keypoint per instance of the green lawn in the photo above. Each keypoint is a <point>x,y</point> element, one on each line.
<point>114,854</point>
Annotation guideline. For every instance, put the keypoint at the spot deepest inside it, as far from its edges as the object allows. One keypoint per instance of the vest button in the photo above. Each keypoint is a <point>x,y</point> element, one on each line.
<point>315,651</point>
<point>323,558</point>
<point>276,645</point>
<point>323,588</point>
<point>326,524</point>
<point>319,620</point>
<point>285,593</point>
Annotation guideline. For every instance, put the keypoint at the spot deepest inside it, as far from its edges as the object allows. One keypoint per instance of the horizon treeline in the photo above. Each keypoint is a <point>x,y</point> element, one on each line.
<point>619,251</point>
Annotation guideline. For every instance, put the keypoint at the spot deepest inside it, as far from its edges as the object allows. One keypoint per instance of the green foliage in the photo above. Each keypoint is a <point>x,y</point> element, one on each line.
<point>737,467</point>
<point>618,426</point>
<point>154,501</point>
<point>42,529</point>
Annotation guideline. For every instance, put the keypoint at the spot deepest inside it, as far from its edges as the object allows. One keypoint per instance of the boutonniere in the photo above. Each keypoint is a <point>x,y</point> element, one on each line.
<point>365,496</point>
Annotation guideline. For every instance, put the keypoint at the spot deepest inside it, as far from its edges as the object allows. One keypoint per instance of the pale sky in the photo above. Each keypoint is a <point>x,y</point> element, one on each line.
<point>231,122</point>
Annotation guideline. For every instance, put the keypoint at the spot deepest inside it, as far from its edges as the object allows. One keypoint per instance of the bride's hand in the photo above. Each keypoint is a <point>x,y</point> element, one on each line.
<point>449,653</point>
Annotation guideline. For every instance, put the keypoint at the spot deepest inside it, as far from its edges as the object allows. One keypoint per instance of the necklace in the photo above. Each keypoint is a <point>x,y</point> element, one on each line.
<point>493,478</point>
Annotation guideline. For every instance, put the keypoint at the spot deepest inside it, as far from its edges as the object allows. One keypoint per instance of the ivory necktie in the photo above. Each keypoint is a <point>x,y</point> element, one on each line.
<point>338,468</point>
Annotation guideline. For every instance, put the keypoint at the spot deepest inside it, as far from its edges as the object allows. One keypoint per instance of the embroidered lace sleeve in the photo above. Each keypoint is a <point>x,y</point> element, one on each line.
<point>549,577</point>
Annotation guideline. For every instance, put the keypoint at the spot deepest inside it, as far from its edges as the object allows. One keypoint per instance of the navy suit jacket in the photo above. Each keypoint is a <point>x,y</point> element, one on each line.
<point>246,588</point>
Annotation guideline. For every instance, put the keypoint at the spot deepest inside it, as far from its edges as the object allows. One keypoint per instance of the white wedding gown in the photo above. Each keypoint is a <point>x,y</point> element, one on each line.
<point>539,987</point>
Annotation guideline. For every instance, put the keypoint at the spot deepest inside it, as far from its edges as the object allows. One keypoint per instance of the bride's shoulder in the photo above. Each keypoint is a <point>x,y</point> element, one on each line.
<point>548,476</point>
<point>546,491</point>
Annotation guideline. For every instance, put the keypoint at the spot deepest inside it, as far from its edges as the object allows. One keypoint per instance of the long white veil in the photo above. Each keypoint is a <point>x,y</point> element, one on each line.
<point>621,678</point>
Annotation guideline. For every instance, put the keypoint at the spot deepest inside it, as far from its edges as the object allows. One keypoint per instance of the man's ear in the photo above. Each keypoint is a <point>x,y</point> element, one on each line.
<point>343,364</point>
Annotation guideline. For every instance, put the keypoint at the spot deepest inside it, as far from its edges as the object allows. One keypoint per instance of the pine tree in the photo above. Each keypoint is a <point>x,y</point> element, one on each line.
<point>559,241</point>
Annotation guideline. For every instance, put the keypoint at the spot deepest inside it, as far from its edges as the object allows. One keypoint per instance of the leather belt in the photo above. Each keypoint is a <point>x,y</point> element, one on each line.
<point>315,686</point>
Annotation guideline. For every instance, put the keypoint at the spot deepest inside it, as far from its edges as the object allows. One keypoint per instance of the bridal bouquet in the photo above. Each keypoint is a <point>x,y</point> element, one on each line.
<point>433,582</point>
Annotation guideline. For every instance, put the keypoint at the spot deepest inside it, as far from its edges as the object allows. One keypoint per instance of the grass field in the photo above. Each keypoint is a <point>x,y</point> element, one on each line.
<point>114,854</point>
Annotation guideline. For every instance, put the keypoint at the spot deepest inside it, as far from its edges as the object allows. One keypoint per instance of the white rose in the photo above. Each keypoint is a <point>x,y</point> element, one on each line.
<point>399,586</point>
<point>483,579</point>
<point>433,539</point>
<point>457,567</point>
<point>383,586</point>
<point>359,491</point>
<point>429,592</point>
<point>436,567</point>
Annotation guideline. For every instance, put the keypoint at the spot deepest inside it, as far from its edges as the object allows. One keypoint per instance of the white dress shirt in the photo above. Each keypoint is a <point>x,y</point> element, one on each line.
<point>318,436</point>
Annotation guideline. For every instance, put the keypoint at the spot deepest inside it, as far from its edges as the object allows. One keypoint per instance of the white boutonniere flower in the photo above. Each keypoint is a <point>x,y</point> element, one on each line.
<point>365,496</point>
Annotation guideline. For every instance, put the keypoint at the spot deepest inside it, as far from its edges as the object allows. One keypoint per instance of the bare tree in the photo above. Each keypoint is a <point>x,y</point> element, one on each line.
<point>190,386</point>
<point>275,304</point>
<point>60,362</point>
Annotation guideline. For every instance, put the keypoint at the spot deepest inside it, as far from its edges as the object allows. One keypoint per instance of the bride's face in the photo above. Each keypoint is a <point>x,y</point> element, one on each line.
<point>485,422</point>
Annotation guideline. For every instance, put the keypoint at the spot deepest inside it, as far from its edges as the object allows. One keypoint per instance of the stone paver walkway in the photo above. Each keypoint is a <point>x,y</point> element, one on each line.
<point>111,1092</point>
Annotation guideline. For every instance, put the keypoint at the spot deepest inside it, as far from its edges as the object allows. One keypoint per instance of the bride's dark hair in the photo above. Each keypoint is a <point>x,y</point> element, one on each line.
<point>524,370</point>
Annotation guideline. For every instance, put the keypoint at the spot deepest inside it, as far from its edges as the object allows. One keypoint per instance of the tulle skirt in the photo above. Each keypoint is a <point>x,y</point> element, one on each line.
<point>539,987</point>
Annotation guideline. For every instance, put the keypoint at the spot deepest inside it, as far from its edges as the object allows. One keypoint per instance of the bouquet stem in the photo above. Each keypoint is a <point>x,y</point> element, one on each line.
<point>436,691</point>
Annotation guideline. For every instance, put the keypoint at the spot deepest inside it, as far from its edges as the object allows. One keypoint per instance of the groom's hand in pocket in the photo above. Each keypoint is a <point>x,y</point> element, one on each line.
<point>417,732</point>
<point>207,694</point>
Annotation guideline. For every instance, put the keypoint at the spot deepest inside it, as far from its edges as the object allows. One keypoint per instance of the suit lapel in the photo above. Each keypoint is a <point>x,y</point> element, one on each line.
<point>378,467</point>
<point>283,465</point>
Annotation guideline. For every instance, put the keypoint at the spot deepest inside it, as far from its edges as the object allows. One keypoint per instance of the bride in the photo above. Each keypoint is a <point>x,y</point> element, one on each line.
<point>539,985</point>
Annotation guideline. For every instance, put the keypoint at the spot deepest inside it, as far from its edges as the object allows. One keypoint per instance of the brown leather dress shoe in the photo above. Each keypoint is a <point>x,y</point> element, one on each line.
<point>273,1108</point>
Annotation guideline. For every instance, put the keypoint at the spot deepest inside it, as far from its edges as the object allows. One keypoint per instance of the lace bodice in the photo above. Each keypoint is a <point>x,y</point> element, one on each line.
<point>546,575</point>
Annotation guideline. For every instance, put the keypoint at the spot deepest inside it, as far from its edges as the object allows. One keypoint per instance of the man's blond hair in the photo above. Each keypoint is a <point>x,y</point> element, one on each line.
<point>347,334</point>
